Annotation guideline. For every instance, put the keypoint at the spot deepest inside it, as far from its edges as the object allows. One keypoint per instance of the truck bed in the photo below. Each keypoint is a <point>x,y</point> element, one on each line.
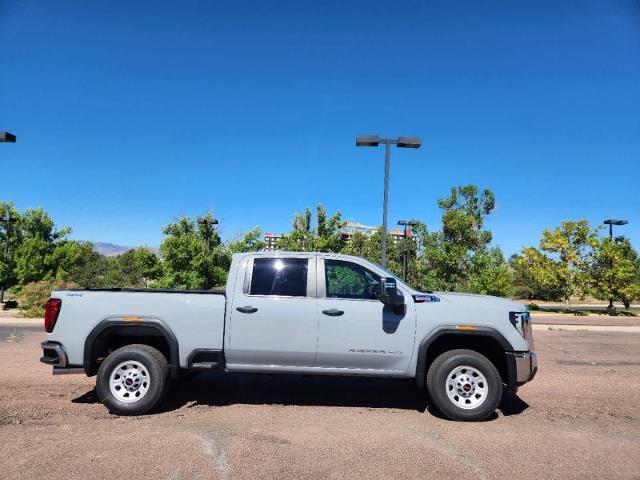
<point>196,318</point>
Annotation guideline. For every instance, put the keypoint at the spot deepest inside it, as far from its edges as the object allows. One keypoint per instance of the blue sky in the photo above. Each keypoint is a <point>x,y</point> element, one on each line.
<point>130,114</point>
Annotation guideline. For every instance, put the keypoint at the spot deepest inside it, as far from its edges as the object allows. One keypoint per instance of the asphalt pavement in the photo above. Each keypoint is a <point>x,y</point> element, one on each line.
<point>578,419</point>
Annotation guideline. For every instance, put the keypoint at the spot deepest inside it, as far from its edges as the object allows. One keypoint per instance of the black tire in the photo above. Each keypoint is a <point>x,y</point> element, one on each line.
<point>438,385</point>
<point>157,368</point>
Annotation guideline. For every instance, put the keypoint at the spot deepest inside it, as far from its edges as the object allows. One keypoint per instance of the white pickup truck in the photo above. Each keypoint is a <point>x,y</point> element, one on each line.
<point>309,313</point>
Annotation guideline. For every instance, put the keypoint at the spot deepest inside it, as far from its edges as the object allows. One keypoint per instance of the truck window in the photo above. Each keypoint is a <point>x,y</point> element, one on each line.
<point>279,276</point>
<point>350,280</point>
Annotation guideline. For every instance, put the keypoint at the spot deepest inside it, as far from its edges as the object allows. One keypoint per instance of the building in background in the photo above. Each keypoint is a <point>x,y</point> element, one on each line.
<point>354,227</point>
<point>271,241</point>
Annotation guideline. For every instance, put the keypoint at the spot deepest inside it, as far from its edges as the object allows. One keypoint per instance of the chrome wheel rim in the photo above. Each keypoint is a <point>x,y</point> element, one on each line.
<point>129,382</point>
<point>466,387</point>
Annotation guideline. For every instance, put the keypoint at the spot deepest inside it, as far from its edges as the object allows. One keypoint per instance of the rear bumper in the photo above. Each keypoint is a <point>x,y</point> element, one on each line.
<point>523,366</point>
<point>54,354</point>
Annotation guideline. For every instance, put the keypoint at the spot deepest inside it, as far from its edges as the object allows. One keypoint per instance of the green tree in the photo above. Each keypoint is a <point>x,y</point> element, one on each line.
<point>562,262</point>
<point>370,247</point>
<point>136,268</point>
<point>325,236</point>
<point>535,276</point>
<point>91,271</point>
<point>458,257</point>
<point>490,273</point>
<point>192,255</point>
<point>249,242</point>
<point>615,272</point>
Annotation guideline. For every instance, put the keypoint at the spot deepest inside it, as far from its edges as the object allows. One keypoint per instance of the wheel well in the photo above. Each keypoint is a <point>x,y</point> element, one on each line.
<point>484,345</point>
<point>101,343</point>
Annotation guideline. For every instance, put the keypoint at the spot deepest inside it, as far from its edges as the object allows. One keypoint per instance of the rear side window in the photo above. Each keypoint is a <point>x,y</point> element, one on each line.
<point>279,276</point>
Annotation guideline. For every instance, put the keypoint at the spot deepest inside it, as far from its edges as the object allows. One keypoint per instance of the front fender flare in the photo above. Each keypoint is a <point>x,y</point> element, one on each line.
<point>438,332</point>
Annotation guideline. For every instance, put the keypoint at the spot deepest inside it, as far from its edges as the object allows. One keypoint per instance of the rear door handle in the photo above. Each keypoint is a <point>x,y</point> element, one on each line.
<point>247,309</point>
<point>334,312</point>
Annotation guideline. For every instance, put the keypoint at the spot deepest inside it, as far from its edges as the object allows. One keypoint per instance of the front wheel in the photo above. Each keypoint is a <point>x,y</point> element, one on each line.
<point>464,385</point>
<point>132,380</point>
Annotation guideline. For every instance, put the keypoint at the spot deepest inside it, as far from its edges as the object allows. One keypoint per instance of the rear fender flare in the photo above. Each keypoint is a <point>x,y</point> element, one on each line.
<point>150,323</point>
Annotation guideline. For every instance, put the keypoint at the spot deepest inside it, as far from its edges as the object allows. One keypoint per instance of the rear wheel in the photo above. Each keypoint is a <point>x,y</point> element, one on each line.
<point>464,385</point>
<point>132,380</point>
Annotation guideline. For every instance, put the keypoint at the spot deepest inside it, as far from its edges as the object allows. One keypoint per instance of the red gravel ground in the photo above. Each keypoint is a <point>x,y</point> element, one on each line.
<point>580,418</point>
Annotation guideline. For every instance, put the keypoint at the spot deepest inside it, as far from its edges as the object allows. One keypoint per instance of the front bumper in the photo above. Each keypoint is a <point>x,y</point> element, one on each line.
<point>523,366</point>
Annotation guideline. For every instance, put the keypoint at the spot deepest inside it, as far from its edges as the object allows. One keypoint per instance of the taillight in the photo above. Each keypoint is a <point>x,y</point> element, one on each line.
<point>51,312</point>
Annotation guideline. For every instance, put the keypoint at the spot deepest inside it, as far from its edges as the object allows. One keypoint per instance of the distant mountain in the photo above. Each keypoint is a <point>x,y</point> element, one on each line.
<point>112,250</point>
<point>109,249</point>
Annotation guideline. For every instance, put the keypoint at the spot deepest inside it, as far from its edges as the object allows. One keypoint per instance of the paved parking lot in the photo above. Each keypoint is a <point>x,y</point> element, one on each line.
<point>580,418</point>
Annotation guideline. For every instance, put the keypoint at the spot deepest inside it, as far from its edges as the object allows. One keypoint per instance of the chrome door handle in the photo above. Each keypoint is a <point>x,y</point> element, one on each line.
<point>334,312</point>
<point>247,309</point>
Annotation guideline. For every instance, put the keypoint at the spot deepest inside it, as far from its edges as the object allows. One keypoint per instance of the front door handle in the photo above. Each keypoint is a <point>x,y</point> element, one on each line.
<point>247,309</point>
<point>334,312</point>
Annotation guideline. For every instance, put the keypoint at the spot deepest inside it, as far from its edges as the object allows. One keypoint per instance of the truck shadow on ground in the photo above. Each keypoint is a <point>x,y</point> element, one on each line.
<point>217,390</point>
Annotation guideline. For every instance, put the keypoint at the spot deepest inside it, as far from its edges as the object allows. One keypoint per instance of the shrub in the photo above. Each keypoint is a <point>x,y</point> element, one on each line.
<point>533,306</point>
<point>34,295</point>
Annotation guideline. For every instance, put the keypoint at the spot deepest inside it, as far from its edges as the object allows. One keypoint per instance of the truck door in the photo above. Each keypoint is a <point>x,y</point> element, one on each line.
<point>354,329</point>
<point>273,318</point>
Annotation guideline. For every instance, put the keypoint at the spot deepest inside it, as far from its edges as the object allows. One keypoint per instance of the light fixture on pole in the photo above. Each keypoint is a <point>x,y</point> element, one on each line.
<point>405,260</point>
<point>6,137</point>
<point>400,142</point>
<point>611,222</point>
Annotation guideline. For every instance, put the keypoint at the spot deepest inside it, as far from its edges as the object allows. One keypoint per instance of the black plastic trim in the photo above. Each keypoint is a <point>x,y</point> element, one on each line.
<point>89,363</point>
<point>218,353</point>
<point>451,329</point>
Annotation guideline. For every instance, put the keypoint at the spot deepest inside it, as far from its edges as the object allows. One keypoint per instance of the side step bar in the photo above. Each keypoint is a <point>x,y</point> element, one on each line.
<point>67,370</point>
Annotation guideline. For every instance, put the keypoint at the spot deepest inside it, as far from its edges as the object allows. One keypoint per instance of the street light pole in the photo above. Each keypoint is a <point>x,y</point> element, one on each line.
<point>400,142</point>
<point>387,161</point>
<point>6,137</point>
<point>7,219</point>
<point>611,222</point>
<point>405,254</point>
<point>208,224</point>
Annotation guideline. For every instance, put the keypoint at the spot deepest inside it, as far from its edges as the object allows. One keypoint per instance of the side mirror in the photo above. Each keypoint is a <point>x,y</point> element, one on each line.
<point>391,297</point>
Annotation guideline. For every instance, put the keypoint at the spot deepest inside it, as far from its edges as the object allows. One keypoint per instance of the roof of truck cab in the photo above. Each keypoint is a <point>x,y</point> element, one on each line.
<point>281,253</point>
